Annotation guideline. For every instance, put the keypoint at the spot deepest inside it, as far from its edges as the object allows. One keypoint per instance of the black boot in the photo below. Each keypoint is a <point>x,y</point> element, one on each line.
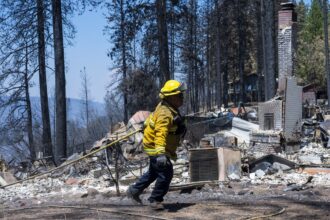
<point>133,194</point>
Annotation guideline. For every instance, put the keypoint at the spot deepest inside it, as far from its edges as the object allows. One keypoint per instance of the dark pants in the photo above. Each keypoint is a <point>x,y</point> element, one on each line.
<point>162,174</point>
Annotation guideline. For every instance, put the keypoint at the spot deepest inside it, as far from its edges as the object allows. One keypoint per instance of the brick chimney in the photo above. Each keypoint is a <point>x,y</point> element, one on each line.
<point>287,19</point>
<point>285,114</point>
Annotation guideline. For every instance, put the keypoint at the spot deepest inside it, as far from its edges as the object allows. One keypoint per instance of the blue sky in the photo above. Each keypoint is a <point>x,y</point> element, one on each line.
<point>90,51</point>
<point>306,1</point>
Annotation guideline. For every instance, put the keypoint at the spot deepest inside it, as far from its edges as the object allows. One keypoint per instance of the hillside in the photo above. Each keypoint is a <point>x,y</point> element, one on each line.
<point>74,108</point>
<point>74,113</point>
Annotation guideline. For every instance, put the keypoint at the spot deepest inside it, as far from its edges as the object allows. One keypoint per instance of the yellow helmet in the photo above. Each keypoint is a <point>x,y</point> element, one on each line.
<point>172,87</point>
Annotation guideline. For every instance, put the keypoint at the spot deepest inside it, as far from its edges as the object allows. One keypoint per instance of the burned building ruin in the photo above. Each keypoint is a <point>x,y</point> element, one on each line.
<point>283,113</point>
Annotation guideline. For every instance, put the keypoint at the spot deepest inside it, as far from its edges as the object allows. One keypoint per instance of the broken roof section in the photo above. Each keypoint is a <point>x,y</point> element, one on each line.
<point>241,129</point>
<point>209,123</point>
<point>269,160</point>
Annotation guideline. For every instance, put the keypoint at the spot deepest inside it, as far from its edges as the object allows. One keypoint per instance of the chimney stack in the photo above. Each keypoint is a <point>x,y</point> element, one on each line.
<point>287,19</point>
<point>285,114</point>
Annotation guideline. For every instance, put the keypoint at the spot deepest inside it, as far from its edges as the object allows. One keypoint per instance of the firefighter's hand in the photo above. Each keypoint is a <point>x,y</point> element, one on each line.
<point>182,129</point>
<point>161,160</point>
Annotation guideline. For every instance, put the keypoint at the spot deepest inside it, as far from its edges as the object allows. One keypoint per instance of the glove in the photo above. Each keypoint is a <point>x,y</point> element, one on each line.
<point>182,129</point>
<point>181,123</point>
<point>161,160</point>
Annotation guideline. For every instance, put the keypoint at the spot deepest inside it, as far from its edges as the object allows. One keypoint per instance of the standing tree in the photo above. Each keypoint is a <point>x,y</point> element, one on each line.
<point>326,46</point>
<point>219,81</point>
<point>260,49</point>
<point>124,20</point>
<point>207,44</point>
<point>189,55</point>
<point>85,97</point>
<point>268,41</point>
<point>24,25</point>
<point>18,49</point>
<point>123,53</point>
<point>46,132</point>
<point>310,54</point>
<point>241,48</point>
<point>14,90</point>
<point>29,123</point>
<point>141,90</point>
<point>61,127</point>
<point>162,40</point>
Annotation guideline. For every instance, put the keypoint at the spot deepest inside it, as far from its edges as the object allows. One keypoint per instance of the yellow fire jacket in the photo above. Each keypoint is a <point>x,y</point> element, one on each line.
<point>160,132</point>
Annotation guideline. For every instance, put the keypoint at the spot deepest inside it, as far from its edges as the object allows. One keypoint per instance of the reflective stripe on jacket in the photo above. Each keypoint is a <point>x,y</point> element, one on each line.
<point>159,133</point>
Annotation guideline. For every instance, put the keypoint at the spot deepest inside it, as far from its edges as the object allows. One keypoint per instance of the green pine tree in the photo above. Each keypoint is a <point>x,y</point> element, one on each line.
<point>310,51</point>
<point>314,22</point>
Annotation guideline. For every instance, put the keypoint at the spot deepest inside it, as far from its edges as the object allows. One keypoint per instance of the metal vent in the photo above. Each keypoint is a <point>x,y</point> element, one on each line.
<point>204,164</point>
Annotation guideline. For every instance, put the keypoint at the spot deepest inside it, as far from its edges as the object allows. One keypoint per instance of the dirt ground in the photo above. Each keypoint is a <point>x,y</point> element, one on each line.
<point>234,201</point>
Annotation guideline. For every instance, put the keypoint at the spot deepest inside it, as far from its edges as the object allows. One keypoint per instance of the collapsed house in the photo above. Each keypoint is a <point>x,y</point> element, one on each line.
<point>278,131</point>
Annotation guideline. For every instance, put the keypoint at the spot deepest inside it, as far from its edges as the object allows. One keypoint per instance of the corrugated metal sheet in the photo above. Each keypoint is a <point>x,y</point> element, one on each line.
<point>273,106</point>
<point>198,126</point>
<point>293,110</point>
<point>241,130</point>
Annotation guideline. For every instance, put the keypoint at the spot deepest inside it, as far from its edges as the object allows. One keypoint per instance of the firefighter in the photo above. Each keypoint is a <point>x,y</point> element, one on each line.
<point>164,128</point>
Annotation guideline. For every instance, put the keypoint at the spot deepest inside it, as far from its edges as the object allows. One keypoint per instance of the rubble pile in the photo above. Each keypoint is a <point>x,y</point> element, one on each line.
<point>281,171</point>
<point>265,142</point>
<point>47,186</point>
<point>313,153</point>
<point>69,181</point>
<point>243,153</point>
<point>287,178</point>
<point>90,174</point>
<point>74,183</point>
<point>296,162</point>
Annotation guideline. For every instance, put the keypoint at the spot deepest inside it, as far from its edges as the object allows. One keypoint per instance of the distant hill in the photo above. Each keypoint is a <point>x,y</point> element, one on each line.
<point>74,113</point>
<point>75,107</point>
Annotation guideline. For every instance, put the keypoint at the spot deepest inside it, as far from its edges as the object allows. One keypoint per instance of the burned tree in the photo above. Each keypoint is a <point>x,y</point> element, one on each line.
<point>61,127</point>
<point>46,132</point>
